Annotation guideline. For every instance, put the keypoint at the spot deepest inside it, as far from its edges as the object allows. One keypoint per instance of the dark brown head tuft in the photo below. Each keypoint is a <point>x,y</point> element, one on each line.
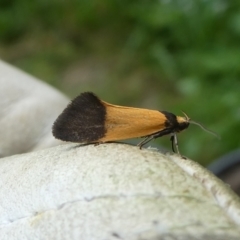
<point>82,120</point>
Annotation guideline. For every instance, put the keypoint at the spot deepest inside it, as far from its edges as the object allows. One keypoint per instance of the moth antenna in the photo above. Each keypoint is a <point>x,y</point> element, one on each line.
<point>205,129</point>
<point>201,126</point>
<point>186,116</point>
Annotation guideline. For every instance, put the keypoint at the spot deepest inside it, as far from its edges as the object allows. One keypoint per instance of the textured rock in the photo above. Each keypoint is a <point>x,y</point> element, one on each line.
<point>112,191</point>
<point>28,109</point>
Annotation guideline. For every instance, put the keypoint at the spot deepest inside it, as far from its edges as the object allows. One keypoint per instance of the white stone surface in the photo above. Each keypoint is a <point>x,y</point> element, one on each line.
<point>28,108</point>
<point>112,191</point>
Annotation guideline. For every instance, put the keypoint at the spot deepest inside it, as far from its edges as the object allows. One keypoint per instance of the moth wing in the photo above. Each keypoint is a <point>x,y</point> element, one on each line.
<point>127,122</point>
<point>82,120</point>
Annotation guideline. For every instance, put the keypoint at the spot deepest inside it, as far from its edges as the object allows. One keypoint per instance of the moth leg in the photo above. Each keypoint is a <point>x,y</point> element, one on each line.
<point>145,141</point>
<point>153,136</point>
<point>172,141</point>
<point>175,143</point>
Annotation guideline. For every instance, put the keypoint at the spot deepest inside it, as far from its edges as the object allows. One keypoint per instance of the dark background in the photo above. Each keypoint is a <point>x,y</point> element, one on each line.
<point>166,55</point>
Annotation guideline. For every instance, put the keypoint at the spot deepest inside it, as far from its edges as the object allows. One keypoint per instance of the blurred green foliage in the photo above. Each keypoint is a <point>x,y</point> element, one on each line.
<point>165,54</point>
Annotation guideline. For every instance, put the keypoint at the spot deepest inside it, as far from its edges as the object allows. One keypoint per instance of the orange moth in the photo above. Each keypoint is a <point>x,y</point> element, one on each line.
<point>87,119</point>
